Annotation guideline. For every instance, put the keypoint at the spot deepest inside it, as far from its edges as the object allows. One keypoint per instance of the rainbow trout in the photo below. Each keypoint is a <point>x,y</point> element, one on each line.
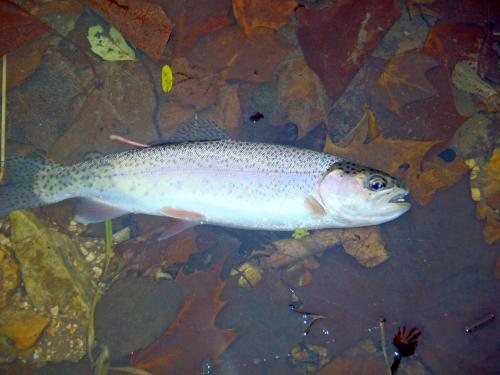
<point>223,182</point>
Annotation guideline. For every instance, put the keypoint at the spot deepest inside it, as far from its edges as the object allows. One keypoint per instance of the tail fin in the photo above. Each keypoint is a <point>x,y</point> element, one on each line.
<point>18,189</point>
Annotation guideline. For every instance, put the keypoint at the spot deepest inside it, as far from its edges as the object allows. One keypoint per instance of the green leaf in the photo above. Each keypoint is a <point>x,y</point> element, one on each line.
<point>299,233</point>
<point>112,46</point>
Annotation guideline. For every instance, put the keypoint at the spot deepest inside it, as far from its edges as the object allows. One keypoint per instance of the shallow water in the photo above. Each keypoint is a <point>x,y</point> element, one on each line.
<point>184,305</point>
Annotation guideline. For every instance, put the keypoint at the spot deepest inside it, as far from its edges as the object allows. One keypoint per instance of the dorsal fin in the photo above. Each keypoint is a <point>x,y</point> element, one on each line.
<point>198,129</point>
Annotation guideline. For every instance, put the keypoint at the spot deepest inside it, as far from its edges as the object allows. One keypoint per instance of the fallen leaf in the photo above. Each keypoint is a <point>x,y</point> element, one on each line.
<point>226,112</point>
<point>192,337</point>
<point>104,113</point>
<point>238,57</point>
<point>485,189</point>
<point>403,81</point>
<point>23,61</point>
<point>364,244</point>
<point>24,327</point>
<point>18,27</point>
<point>420,7</point>
<point>249,274</point>
<point>110,47</point>
<point>449,43</point>
<point>58,7</point>
<point>360,360</point>
<point>167,79</point>
<point>389,155</point>
<point>301,97</point>
<point>193,19</point>
<point>336,49</point>
<point>273,14</point>
<point>435,175</point>
<point>9,275</point>
<point>144,24</point>
<point>146,253</point>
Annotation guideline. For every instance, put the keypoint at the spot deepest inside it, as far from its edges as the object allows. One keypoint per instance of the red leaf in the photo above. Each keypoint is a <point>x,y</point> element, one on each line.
<point>192,337</point>
<point>336,40</point>
<point>145,25</point>
<point>17,27</point>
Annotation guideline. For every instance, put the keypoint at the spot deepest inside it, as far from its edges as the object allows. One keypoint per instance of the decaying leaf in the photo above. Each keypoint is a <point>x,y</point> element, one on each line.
<point>111,47</point>
<point>147,254</point>
<point>144,24</point>
<point>249,274</point>
<point>364,244</point>
<point>302,99</point>
<point>403,80</point>
<point>262,13</point>
<point>192,337</point>
<point>485,190</point>
<point>421,7</point>
<point>18,27</point>
<point>389,155</point>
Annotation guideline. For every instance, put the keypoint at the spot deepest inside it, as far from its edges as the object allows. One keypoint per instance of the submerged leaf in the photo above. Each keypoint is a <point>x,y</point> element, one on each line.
<point>167,78</point>
<point>111,47</point>
<point>193,335</point>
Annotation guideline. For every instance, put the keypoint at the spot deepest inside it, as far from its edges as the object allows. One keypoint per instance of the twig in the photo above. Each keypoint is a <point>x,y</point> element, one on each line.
<point>4,111</point>
<point>382,343</point>
<point>108,240</point>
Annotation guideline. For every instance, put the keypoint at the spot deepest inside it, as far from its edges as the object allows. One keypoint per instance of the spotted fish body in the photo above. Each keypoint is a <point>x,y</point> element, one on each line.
<point>228,183</point>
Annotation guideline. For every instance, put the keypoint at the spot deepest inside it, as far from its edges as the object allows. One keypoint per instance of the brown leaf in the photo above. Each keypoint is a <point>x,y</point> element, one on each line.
<point>238,57</point>
<point>357,360</point>
<point>337,39</point>
<point>146,252</point>
<point>23,61</point>
<point>227,110</point>
<point>485,188</point>
<point>301,97</point>
<point>364,244</point>
<point>273,14</point>
<point>104,113</point>
<point>389,154</point>
<point>192,337</point>
<point>18,27</point>
<point>144,24</point>
<point>420,7</point>
<point>194,18</point>
<point>403,81</point>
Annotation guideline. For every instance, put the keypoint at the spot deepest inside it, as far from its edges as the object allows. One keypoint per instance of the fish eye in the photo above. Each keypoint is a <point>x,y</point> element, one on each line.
<point>377,183</point>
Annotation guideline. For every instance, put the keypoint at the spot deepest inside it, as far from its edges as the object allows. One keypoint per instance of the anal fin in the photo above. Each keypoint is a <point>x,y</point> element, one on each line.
<point>89,211</point>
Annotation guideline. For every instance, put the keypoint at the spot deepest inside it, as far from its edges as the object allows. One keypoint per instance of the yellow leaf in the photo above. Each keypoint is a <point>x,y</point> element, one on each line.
<point>111,47</point>
<point>167,78</point>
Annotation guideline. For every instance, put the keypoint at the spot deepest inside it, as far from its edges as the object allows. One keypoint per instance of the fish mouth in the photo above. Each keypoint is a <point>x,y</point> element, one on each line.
<point>401,199</point>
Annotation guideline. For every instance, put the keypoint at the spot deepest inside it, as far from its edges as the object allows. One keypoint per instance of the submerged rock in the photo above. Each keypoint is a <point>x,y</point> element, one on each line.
<point>54,272</point>
<point>8,275</point>
<point>134,312</point>
<point>24,328</point>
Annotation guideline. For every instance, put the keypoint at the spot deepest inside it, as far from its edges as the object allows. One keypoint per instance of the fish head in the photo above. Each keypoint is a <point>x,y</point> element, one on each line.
<point>356,195</point>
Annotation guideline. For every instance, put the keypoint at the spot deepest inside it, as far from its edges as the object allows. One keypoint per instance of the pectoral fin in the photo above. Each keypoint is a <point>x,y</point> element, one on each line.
<point>90,211</point>
<point>183,214</point>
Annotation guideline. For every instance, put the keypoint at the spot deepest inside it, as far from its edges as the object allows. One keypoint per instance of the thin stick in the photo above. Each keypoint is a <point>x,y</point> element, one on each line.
<point>109,243</point>
<point>382,343</point>
<point>4,111</point>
